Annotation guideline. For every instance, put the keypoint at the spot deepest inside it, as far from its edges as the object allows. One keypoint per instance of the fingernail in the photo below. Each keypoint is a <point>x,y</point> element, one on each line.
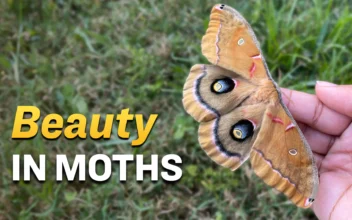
<point>327,84</point>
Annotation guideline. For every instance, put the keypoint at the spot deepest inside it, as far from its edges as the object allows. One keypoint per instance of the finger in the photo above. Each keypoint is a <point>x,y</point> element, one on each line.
<point>319,142</point>
<point>335,97</point>
<point>343,147</point>
<point>308,109</point>
<point>318,160</point>
<point>302,126</point>
<point>347,135</point>
<point>334,196</point>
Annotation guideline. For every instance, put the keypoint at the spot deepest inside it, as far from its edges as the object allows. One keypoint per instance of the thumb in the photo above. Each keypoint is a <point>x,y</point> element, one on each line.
<point>336,97</point>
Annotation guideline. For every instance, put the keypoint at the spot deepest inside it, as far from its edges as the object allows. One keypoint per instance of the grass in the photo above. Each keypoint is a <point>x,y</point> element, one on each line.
<point>103,56</point>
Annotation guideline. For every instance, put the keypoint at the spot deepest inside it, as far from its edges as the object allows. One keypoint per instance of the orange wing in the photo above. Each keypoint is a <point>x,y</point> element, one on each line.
<point>283,159</point>
<point>230,43</point>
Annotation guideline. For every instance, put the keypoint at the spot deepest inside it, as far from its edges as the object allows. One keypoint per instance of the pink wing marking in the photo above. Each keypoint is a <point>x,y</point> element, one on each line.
<point>290,126</point>
<point>244,111</point>
<point>254,123</point>
<point>251,70</point>
<point>236,82</point>
<point>275,119</point>
<point>257,57</point>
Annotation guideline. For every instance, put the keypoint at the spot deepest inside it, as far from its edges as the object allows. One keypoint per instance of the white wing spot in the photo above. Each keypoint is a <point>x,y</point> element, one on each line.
<point>240,42</point>
<point>293,152</point>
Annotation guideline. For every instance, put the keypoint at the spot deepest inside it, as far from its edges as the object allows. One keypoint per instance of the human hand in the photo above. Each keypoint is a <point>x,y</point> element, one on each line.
<point>325,120</point>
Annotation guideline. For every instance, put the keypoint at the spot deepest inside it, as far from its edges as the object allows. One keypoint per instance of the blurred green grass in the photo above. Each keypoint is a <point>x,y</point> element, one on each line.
<point>103,56</point>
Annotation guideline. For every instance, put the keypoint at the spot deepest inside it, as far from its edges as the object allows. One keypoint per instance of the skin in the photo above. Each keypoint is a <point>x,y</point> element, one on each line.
<point>326,121</point>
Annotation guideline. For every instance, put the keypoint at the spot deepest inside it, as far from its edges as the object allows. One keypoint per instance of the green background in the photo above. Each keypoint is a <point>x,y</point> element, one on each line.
<point>100,57</point>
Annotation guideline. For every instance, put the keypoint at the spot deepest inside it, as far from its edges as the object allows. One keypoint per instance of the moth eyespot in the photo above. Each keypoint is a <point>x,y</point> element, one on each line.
<point>223,85</point>
<point>242,130</point>
<point>240,42</point>
<point>293,152</point>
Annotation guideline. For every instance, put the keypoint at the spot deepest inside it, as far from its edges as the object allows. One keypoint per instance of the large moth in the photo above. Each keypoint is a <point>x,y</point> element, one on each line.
<point>241,112</point>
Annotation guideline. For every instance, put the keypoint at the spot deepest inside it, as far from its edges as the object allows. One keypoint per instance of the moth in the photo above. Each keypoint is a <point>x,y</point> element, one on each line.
<point>241,112</point>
